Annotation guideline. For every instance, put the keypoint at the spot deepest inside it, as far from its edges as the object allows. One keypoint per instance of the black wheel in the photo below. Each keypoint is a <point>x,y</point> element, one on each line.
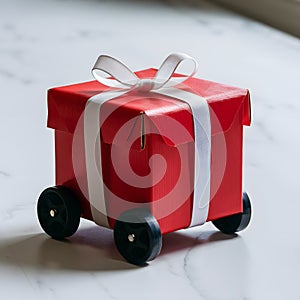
<point>58,212</point>
<point>137,236</point>
<point>237,222</point>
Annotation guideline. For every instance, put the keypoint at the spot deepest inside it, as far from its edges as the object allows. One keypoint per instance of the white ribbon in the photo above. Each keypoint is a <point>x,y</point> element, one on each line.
<point>123,78</point>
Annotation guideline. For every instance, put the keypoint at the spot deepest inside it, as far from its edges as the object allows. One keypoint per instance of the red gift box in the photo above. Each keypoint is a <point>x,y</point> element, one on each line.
<point>149,120</point>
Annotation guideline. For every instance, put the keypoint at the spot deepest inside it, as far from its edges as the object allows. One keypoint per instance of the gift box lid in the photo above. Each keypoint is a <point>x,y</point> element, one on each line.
<point>66,105</point>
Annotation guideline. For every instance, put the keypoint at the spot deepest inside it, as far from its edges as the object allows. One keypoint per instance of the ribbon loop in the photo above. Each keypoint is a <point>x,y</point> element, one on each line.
<point>122,76</point>
<point>164,76</point>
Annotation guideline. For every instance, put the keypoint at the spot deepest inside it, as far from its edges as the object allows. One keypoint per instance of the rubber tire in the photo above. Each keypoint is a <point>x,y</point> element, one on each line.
<point>236,222</point>
<point>148,238</point>
<point>65,223</point>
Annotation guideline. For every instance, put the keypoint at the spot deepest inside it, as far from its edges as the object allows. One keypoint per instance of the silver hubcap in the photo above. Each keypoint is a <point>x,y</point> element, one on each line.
<point>53,213</point>
<point>131,238</point>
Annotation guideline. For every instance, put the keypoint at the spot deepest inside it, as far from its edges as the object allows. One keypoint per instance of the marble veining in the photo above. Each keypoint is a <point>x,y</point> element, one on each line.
<point>5,174</point>
<point>55,42</point>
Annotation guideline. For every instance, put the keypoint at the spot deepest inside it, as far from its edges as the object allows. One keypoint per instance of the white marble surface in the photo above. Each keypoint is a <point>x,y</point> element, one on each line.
<point>52,43</point>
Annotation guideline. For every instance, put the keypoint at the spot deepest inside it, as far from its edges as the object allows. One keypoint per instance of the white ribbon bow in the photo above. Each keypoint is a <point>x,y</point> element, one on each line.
<point>123,77</point>
<point>163,83</point>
